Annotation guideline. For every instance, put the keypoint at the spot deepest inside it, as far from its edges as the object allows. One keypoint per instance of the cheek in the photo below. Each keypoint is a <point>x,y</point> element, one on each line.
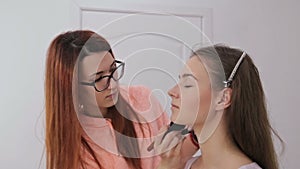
<point>189,106</point>
<point>190,101</point>
<point>100,98</point>
<point>87,95</point>
<point>205,102</point>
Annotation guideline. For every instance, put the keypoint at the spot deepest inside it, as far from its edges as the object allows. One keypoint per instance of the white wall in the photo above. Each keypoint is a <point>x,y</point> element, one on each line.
<point>27,27</point>
<point>267,30</point>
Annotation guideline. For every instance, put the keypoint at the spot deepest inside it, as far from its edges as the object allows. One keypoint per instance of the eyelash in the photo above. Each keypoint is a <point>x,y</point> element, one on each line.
<point>188,86</point>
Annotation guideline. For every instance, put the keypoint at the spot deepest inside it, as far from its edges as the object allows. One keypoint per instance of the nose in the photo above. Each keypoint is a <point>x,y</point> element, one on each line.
<point>112,84</point>
<point>173,92</point>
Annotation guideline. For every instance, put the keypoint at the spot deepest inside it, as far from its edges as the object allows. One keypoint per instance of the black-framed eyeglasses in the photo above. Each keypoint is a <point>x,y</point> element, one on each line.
<point>102,82</point>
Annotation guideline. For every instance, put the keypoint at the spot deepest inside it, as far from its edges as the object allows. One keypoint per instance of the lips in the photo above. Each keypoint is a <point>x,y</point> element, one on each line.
<point>111,95</point>
<point>175,106</point>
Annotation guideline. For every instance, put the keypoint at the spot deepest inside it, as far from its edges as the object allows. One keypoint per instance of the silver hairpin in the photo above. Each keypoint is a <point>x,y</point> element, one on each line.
<point>228,82</point>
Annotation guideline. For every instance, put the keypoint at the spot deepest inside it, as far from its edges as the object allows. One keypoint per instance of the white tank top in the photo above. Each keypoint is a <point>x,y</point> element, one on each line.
<point>190,162</point>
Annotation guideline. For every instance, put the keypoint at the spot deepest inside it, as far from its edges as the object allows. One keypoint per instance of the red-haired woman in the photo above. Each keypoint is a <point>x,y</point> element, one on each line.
<point>91,121</point>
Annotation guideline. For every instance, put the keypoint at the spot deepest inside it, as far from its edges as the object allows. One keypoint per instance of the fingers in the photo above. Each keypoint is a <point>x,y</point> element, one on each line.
<point>158,138</point>
<point>172,158</point>
<point>151,146</point>
<point>169,137</point>
<point>178,147</point>
<point>170,141</point>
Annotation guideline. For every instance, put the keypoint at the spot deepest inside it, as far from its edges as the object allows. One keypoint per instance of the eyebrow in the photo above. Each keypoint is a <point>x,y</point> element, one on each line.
<point>188,75</point>
<point>101,72</point>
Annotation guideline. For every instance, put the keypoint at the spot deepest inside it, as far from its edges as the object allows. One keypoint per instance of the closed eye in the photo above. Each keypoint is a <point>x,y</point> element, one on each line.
<point>188,86</point>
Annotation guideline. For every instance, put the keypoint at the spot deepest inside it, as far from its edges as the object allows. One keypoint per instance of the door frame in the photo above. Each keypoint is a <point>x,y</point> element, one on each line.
<point>130,7</point>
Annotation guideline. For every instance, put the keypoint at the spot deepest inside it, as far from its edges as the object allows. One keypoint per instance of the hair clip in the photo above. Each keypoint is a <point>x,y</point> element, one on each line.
<point>227,83</point>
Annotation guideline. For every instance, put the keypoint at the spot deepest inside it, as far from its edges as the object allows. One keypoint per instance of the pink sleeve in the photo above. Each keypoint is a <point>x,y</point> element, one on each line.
<point>146,105</point>
<point>153,119</point>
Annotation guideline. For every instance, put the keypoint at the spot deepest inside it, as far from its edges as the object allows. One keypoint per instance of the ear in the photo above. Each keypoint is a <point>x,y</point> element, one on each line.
<point>224,99</point>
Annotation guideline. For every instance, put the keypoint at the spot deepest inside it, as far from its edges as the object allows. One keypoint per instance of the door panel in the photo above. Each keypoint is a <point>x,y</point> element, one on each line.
<point>154,45</point>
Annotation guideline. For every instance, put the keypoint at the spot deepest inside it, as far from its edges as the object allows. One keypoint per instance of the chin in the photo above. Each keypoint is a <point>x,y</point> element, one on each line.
<point>174,116</point>
<point>111,104</point>
<point>115,99</point>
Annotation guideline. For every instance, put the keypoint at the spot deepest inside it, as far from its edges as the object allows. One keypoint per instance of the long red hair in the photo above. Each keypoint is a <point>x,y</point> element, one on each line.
<point>64,134</point>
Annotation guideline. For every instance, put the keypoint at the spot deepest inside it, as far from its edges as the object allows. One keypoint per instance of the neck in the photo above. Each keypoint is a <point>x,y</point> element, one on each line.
<point>218,151</point>
<point>96,114</point>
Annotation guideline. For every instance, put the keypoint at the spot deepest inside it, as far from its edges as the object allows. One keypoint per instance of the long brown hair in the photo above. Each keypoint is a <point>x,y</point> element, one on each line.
<point>246,117</point>
<point>64,134</point>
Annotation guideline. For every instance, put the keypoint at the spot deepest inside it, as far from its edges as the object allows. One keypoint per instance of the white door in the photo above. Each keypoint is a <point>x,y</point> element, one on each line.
<point>154,42</point>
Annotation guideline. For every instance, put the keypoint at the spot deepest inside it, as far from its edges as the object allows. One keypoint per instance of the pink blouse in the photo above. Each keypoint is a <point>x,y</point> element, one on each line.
<point>101,136</point>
